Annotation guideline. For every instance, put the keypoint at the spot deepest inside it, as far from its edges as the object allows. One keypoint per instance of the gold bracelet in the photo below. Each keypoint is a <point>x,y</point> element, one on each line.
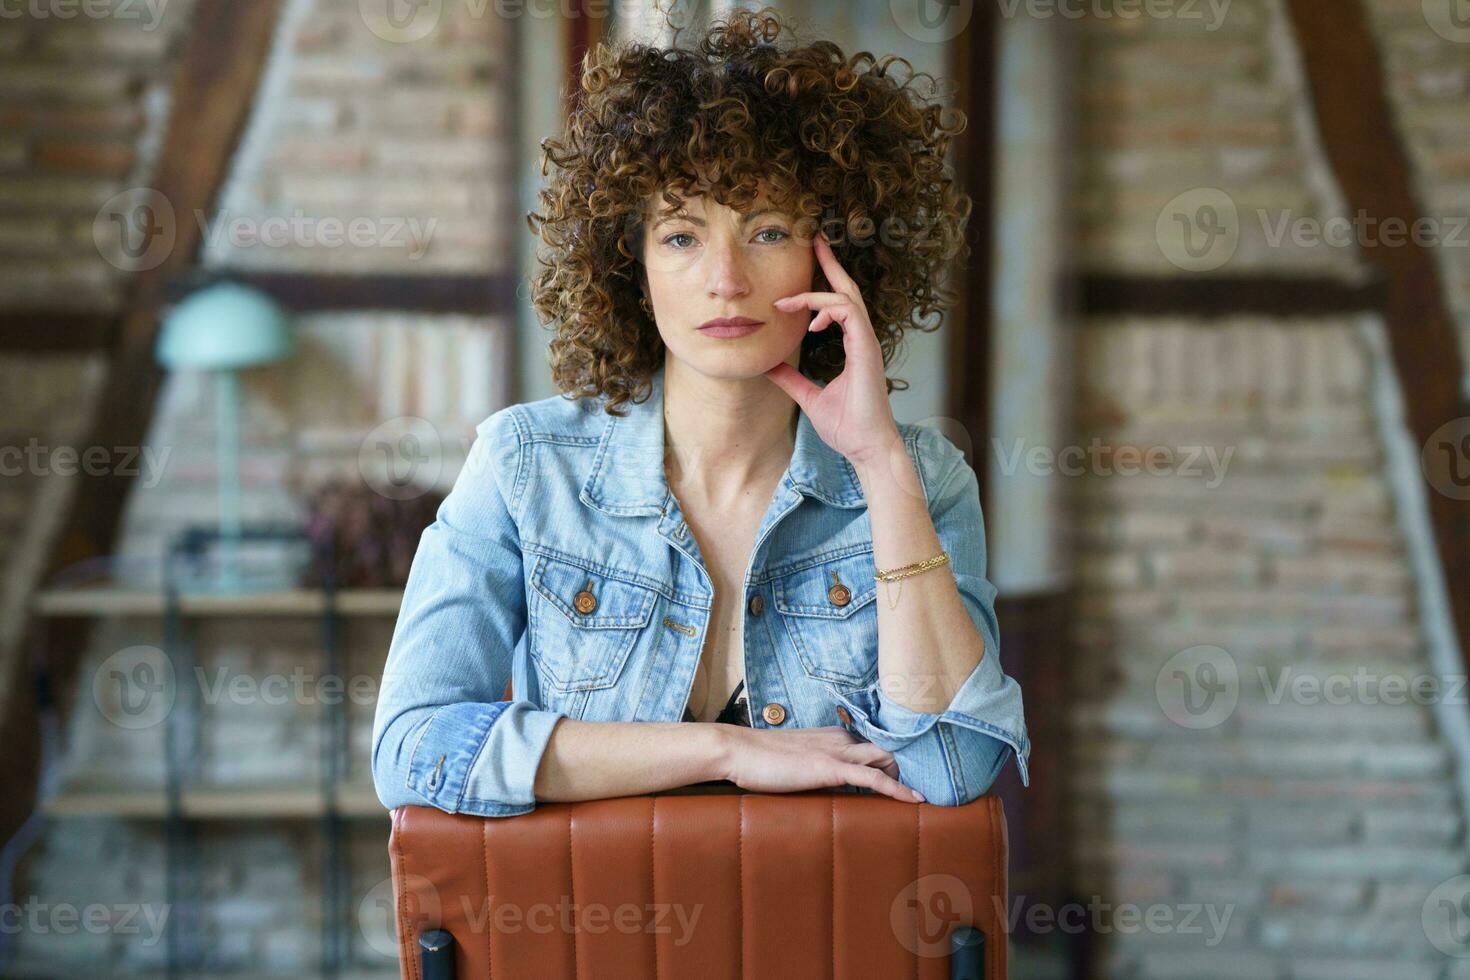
<point>904,571</point>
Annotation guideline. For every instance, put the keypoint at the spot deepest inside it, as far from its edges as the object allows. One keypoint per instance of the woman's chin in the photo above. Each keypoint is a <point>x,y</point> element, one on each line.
<point>737,361</point>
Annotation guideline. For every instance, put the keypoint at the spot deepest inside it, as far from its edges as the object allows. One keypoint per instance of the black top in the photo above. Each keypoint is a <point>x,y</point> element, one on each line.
<point>734,712</point>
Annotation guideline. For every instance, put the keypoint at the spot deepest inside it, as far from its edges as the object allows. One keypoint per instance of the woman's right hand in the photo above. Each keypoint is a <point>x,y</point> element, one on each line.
<point>810,758</point>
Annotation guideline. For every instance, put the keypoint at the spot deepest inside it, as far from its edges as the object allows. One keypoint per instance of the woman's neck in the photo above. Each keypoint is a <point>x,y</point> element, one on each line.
<point>724,437</point>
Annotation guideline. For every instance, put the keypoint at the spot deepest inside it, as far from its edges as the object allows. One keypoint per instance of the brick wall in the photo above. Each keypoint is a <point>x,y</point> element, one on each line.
<point>408,142</point>
<point>1179,113</point>
<point>1320,828</point>
<point>82,103</point>
<point>1321,813</point>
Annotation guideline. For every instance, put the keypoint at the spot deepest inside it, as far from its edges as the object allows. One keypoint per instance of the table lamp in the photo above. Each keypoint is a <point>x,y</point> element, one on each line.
<point>223,328</point>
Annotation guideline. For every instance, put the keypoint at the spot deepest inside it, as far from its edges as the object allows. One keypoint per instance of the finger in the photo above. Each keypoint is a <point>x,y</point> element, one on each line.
<point>820,321</point>
<point>882,783</point>
<point>878,758</point>
<point>858,342</point>
<point>836,274</point>
<point>869,754</point>
<point>801,388</point>
<point>811,300</point>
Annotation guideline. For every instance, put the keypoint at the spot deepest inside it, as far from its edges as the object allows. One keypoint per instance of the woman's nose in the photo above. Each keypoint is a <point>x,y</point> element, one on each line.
<point>726,274</point>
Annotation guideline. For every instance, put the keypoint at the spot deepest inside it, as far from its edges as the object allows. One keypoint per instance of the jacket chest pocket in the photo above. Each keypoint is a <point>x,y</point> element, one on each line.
<point>830,614</point>
<point>583,624</point>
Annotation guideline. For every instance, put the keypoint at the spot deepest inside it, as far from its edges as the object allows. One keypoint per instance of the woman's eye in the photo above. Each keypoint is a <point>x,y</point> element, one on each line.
<point>678,234</point>
<point>780,233</point>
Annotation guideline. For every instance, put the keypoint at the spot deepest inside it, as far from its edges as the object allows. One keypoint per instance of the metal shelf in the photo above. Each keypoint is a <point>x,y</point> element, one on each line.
<point>182,803</point>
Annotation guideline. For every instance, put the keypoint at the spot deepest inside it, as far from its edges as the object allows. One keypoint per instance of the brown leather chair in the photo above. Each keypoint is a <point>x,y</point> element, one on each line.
<point>707,881</point>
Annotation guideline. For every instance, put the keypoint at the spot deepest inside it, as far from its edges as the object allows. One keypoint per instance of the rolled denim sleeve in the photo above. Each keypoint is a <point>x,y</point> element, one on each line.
<point>952,757</point>
<point>440,736</point>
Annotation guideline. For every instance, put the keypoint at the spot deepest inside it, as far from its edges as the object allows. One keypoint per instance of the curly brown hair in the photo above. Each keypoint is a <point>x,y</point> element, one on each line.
<point>839,143</point>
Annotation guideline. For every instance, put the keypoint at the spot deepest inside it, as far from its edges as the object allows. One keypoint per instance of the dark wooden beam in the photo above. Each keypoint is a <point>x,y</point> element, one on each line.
<point>212,95</point>
<point>56,332</point>
<point>1348,81</point>
<point>305,292</point>
<point>975,55</point>
<point>1220,296</point>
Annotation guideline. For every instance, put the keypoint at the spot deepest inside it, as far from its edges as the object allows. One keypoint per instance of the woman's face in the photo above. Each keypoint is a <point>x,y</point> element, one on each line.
<point>711,262</point>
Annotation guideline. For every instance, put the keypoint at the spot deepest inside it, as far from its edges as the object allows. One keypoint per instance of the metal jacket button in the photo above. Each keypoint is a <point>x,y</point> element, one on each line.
<point>757,604</point>
<point>844,715</point>
<point>773,713</point>
<point>585,600</point>
<point>838,594</point>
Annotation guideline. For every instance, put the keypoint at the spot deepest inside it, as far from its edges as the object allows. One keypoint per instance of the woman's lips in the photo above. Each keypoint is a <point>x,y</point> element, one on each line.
<point>730,328</point>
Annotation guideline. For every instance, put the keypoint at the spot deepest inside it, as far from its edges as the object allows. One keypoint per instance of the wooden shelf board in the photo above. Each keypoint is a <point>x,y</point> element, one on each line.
<point>210,803</point>
<point>115,601</point>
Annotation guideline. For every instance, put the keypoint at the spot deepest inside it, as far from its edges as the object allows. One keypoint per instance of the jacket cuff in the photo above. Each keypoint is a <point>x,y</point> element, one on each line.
<point>958,739</point>
<point>481,758</point>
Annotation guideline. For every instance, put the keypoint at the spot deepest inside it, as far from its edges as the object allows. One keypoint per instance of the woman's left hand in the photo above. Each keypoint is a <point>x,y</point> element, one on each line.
<point>852,413</point>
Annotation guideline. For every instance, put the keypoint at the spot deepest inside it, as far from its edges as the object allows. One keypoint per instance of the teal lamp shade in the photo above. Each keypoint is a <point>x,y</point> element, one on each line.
<point>223,328</point>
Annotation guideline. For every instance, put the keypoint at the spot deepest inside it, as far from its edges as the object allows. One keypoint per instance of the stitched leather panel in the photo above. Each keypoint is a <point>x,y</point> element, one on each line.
<point>713,883</point>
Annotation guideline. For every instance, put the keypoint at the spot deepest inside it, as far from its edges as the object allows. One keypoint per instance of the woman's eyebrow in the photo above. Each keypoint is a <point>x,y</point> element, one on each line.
<point>751,216</point>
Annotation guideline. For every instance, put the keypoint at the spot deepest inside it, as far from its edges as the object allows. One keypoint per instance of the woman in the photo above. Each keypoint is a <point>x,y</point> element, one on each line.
<point>705,533</point>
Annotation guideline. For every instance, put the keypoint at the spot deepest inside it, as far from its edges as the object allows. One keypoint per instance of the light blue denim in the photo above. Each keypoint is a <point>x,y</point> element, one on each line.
<point>557,497</point>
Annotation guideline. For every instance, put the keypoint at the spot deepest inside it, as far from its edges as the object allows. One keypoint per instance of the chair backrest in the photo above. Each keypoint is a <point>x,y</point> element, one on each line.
<point>707,883</point>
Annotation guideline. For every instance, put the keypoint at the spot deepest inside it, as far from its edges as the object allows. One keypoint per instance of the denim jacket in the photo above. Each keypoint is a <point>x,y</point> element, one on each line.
<point>560,560</point>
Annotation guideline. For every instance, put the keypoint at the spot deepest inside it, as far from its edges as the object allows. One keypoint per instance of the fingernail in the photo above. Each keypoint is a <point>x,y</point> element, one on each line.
<point>919,796</point>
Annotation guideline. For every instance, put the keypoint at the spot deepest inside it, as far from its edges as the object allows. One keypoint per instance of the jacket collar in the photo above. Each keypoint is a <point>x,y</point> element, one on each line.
<point>627,475</point>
